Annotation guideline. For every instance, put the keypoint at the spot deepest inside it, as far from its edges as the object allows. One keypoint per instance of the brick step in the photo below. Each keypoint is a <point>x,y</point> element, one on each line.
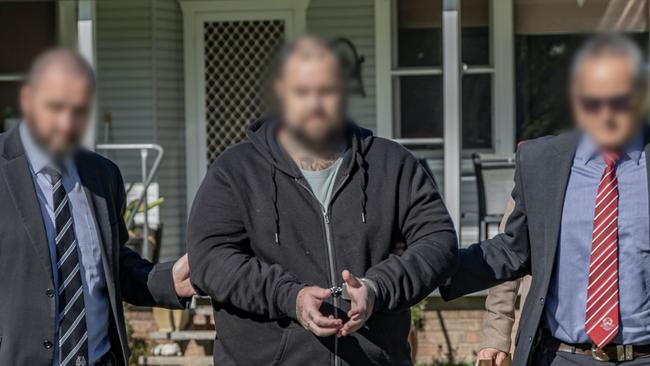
<point>175,361</point>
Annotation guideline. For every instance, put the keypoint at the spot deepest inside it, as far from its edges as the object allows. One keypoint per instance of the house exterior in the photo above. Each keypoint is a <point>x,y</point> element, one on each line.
<point>442,77</point>
<point>447,78</point>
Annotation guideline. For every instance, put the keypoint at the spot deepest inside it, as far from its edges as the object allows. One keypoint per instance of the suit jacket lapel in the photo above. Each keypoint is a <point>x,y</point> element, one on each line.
<point>558,171</point>
<point>23,194</point>
<point>96,194</point>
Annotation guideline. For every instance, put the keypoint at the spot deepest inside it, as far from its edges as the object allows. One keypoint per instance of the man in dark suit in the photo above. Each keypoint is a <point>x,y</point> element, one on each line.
<point>64,267</point>
<point>580,224</point>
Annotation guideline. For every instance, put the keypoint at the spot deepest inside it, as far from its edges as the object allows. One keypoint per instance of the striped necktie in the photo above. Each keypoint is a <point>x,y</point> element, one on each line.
<point>602,315</point>
<point>73,337</point>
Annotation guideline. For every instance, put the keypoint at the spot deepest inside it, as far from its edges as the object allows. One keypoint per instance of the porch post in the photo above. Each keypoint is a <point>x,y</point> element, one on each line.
<point>452,111</point>
<point>504,128</point>
<point>86,46</point>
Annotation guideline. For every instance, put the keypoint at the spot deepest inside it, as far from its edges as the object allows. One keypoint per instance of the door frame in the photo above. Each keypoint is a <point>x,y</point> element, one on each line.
<point>195,14</point>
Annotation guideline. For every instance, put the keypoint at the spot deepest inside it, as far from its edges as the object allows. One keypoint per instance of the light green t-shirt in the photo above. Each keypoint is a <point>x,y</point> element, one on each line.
<point>322,181</point>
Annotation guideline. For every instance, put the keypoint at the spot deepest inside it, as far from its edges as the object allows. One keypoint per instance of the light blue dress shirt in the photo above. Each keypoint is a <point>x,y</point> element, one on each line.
<point>566,303</point>
<point>92,274</point>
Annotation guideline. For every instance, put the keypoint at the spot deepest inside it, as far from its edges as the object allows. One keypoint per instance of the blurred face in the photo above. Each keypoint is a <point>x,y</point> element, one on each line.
<point>310,92</point>
<point>56,108</point>
<point>607,101</point>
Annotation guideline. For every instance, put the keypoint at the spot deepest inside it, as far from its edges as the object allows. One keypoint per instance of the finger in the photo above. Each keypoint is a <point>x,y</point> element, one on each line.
<point>351,280</point>
<point>323,322</point>
<point>321,293</point>
<point>188,284</point>
<point>320,331</point>
<point>350,327</point>
<point>487,354</point>
<point>183,262</point>
<point>358,311</point>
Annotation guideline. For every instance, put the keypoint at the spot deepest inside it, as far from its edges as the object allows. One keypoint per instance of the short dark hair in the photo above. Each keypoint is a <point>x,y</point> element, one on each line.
<point>71,59</point>
<point>290,48</point>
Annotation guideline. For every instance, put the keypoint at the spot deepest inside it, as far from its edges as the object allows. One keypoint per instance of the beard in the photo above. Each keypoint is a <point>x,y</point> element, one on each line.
<point>45,141</point>
<point>327,139</point>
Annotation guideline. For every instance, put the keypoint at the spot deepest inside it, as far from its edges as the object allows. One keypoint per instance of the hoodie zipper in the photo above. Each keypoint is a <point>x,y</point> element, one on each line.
<point>330,251</point>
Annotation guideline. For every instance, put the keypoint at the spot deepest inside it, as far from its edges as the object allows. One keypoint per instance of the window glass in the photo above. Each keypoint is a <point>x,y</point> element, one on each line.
<point>419,112</point>
<point>477,111</point>
<point>26,29</point>
<point>418,98</point>
<point>419,33</point>
<point>475,32</point>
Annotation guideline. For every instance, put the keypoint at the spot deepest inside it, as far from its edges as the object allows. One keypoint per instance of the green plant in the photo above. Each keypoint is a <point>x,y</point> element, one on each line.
<point>137,347</point>
<point>417,314</point>
<point>131,206</point>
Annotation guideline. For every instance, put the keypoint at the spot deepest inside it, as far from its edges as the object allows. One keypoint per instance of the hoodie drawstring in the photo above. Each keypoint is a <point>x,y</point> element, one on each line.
<point>362,184</point>
<point>276,216</point>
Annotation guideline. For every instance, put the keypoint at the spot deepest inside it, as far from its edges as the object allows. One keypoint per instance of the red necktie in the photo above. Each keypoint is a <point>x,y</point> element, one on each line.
<point>602,320</point>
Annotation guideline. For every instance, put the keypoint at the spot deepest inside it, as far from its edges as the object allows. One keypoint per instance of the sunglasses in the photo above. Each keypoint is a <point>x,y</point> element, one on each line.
<point>618,103</point>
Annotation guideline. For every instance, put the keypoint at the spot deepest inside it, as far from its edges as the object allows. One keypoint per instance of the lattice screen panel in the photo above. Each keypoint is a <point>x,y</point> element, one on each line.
<point>237,59</point>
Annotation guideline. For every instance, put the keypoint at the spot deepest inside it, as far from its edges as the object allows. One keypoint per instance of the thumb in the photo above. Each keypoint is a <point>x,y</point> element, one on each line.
<point>500,357</point>
<point>181,268</point>
<point>350,279</point>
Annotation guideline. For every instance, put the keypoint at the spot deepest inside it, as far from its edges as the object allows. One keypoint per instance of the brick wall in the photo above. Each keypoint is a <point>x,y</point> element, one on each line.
<point>458,330</point>
<point>456,326</point>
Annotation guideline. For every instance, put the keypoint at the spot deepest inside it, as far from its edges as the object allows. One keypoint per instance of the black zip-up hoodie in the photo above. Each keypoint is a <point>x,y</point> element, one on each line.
<point>257,235</point>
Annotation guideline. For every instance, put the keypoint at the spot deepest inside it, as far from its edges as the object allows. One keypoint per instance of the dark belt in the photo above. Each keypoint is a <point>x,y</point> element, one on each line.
<point>108,359</point>
<point>611,352</point>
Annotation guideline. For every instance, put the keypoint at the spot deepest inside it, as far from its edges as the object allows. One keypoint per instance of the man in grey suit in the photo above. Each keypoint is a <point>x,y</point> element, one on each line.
<point>64,268</point>
<point>580,224</point>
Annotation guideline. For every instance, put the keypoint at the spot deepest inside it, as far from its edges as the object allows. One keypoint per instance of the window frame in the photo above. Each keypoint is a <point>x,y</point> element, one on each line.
<point>501,70</point>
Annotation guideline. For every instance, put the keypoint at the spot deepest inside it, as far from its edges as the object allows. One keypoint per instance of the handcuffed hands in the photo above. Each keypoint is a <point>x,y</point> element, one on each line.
<point>308,312</point>
<point>310,299</point>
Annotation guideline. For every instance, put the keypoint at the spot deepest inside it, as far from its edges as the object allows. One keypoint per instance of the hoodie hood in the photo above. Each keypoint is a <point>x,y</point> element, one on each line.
<point>261,134</point>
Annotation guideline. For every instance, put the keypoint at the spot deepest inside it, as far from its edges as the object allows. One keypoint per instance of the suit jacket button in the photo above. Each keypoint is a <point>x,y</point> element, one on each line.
<point>49,292</point>
<point>541,301</point>
<point>530,339</point>
<point>47,344</point>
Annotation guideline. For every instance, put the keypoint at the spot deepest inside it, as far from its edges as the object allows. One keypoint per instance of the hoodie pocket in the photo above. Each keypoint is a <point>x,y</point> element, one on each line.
<point>300,347</point>
<point>283,347</point>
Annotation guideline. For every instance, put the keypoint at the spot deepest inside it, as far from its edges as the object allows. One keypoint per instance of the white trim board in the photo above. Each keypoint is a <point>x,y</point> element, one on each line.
<point>195,13</point>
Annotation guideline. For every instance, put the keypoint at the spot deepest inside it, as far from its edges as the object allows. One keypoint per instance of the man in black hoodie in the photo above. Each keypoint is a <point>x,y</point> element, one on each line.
<point>293,232</point>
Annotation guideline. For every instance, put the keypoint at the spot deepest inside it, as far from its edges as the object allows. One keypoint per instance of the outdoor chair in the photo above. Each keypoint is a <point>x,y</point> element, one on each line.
<point>495,181</point>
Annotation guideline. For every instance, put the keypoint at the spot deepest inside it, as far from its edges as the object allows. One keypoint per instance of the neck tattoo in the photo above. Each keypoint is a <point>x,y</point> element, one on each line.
<point>308,160</point>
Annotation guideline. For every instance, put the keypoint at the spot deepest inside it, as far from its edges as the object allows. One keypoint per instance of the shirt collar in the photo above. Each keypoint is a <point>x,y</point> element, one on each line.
<point>38,158</point>
<point>588,150</point>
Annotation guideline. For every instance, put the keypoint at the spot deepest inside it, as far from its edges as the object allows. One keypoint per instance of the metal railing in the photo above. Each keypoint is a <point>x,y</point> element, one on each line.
<point>434,141</point>
<point>147,178</point>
